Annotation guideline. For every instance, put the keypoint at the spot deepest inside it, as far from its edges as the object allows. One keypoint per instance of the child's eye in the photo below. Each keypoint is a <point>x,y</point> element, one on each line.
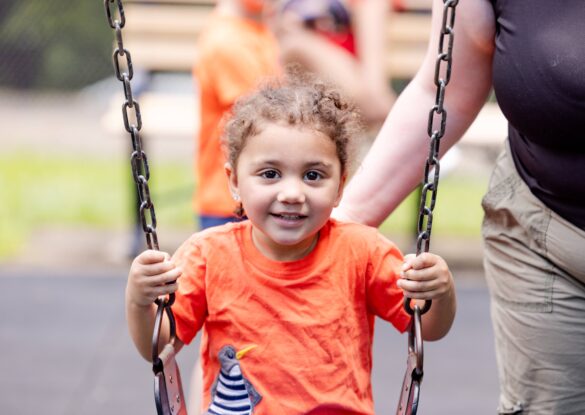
<point>313,175</point>
<point>269,174</point>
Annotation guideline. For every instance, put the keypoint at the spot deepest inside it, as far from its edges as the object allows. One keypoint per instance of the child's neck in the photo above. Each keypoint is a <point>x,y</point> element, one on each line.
<point>283,253</point>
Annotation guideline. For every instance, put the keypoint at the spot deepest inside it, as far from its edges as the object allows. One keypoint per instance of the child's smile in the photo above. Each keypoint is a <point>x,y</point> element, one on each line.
<point>289,179</point>
<point>289,219</point>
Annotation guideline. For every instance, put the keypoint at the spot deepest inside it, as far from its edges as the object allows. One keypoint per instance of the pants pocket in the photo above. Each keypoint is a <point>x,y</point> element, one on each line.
<point>514,233</point>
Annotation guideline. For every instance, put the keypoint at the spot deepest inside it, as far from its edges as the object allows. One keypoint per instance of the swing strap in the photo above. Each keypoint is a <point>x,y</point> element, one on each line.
<point>409,395</point>
<point>168,392</point>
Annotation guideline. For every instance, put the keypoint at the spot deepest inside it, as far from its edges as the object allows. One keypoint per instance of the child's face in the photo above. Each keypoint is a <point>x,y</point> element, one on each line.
<point>289,180</point>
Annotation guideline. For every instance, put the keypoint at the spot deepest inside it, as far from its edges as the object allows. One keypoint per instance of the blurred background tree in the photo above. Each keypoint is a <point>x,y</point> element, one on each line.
<point>53,44</point>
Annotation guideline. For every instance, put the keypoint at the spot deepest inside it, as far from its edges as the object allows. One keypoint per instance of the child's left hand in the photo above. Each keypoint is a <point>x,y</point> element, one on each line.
<point>425,277</point>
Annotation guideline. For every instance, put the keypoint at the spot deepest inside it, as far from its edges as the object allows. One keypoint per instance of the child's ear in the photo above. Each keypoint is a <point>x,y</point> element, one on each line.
<point>340,190</point>
<point>232,179</point>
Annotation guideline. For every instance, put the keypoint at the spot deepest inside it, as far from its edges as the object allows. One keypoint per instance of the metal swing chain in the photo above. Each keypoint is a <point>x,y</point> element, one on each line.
<point>140,169</point>
<point>430,181</point>
<point>138,160</point>
<point>408,403</point>
<point>168,392</point>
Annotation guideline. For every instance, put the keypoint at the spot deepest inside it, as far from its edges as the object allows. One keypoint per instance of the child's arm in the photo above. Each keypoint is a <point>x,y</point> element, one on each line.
<point>427,277</point>
<point>151,275</point>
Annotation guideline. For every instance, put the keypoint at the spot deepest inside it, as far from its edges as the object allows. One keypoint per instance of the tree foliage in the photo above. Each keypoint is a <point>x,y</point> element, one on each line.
<point>53,44</point>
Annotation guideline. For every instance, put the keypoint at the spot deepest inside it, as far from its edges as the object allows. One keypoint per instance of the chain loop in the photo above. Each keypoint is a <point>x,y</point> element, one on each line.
<point>111,21</point>
<point>137,116</point>
<point>120,74</point>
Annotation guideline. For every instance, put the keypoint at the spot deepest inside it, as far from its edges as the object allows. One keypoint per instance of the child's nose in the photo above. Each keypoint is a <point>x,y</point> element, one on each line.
<point>291,192</point>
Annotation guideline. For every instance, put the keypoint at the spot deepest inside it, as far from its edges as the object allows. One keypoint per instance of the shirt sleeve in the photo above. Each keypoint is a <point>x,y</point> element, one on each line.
<point>190,306</point>
<point>385,299</point>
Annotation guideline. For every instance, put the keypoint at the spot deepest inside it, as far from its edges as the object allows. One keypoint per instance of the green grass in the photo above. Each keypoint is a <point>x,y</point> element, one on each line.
<point>457,212</point>
<point>37,190</point>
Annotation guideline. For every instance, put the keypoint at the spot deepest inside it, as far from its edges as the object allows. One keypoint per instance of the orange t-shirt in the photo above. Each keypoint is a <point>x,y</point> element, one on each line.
<point>311,320</point>
<point>234,54</point>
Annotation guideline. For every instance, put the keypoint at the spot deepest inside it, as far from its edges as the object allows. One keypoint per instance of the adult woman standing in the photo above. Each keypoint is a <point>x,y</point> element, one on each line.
<point>533,54</point>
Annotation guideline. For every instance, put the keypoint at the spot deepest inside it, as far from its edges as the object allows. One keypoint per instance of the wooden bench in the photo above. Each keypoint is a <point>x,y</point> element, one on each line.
<point>161,35</point>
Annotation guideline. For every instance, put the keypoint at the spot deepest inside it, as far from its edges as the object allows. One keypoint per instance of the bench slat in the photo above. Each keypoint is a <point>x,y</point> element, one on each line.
<point>163,38</point>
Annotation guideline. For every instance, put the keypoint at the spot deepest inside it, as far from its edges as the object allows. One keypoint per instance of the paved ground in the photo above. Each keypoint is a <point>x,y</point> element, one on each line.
<point>65,351</point>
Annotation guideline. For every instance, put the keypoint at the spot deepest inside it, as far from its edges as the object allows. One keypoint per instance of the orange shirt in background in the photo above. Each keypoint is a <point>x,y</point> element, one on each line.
<point>233,55</point>
<point>311,320</point>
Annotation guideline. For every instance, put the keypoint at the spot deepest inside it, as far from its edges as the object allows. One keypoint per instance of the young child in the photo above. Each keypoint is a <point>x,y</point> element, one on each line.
<point>287,298</point>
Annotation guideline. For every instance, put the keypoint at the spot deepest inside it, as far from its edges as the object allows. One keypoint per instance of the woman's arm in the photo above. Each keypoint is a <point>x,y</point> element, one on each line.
<point>394,164</point>
<point>362,78</point>
<point>370,18</point>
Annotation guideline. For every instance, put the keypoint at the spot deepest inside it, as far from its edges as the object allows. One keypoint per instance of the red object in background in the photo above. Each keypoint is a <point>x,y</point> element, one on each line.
<point>345,40</point>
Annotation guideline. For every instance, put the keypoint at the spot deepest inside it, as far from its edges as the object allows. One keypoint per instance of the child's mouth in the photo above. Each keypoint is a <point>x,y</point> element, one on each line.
<point>288,216</point>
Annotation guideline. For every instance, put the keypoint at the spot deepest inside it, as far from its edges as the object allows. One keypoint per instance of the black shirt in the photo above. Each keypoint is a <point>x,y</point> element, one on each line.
<point>539,81</point>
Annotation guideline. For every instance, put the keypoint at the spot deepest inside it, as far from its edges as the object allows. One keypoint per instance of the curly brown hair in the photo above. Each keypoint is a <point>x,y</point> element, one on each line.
<point>295,99</point>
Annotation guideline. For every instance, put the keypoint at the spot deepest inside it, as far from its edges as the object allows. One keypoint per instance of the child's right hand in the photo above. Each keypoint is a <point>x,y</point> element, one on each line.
<point>151,275</point>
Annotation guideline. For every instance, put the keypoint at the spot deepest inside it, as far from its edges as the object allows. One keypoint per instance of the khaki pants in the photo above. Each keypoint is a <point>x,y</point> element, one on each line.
<point>535,269</point>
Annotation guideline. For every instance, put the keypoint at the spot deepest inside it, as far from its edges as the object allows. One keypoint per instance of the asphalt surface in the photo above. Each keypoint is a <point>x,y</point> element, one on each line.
<point>66,350</point>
